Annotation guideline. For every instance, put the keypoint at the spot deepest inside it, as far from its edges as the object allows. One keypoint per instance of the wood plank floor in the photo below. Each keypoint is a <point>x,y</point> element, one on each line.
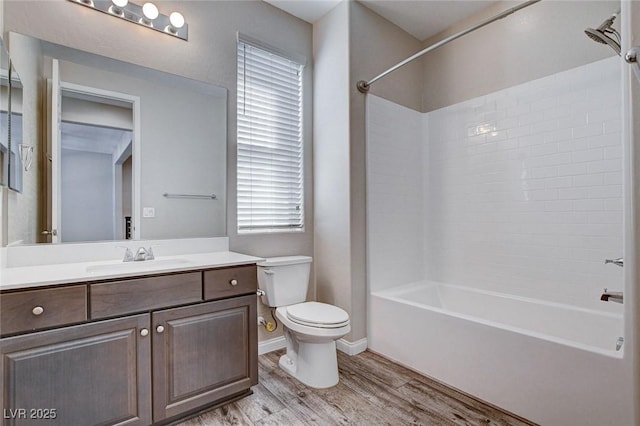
<point>372,391</point>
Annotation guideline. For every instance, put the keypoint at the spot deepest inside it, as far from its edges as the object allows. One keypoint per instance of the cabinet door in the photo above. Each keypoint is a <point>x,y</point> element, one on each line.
<point>90,374</point>
<point>202,354</point>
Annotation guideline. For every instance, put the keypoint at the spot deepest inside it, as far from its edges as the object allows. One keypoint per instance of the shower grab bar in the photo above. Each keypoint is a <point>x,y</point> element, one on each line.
<point>363,86</point>
<point>194,196</point>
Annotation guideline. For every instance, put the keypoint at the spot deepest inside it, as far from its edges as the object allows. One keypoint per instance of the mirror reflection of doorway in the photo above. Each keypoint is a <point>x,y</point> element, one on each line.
<point>96,185</point>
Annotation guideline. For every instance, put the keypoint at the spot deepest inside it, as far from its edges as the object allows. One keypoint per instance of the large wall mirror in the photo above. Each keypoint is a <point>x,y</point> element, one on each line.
<point>127,152</point>
<point>14,154</point>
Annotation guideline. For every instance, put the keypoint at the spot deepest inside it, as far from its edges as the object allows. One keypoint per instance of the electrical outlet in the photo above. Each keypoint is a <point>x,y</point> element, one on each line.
<point>148,212</point>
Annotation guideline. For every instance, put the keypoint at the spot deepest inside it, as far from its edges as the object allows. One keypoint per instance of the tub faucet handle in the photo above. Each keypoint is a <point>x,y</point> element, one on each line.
<point>618,262</point>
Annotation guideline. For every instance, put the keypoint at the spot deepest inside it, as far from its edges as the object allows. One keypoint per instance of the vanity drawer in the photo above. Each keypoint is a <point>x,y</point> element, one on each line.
<point>227,282</point>
<point>35,309</point>
<point>144,294</point>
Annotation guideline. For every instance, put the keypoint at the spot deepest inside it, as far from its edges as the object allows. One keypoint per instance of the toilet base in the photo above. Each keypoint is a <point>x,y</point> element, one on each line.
<point>315,364</point>
<point>311,351</point>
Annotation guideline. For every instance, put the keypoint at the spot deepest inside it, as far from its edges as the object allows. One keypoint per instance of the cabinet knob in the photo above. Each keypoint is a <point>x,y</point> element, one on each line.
<point>38,310</point>
<point>159,329</point>
<point>233,282</point>
<point>144,332</point>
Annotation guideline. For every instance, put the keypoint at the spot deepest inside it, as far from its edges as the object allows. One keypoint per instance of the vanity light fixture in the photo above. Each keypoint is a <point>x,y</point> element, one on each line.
<point>146,15</point>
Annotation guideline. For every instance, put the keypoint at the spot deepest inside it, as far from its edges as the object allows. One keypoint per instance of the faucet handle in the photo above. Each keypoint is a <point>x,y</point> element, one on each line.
<point>618,262</point>
<point>150,255</point>
<point>128,254</point>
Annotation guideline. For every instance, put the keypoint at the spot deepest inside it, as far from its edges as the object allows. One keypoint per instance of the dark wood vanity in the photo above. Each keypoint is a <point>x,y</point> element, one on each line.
<point>134,351</point>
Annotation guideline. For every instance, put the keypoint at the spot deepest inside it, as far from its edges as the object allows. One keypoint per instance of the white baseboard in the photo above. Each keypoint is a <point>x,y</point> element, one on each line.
<point>271,345</point>
<point>352,348</point>
<point>349,348</point>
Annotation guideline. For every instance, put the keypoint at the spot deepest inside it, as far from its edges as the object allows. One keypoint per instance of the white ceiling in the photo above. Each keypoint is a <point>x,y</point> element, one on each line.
<point>101,140</point>
<point>426,18</point>
<point>307,10</point>
<point>420,18</point>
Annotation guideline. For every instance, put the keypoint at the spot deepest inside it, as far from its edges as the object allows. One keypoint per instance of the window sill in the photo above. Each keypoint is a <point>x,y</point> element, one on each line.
<point>271,232</point>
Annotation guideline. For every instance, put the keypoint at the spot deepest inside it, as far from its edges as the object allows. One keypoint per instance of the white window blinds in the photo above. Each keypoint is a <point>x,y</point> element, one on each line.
<point>270,186</point>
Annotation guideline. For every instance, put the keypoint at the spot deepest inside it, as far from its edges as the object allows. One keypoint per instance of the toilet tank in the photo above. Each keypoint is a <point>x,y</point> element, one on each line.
<point>284,280</point>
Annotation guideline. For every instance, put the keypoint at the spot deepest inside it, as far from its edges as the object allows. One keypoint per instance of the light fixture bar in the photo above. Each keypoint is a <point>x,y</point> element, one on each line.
<point>133,13</point>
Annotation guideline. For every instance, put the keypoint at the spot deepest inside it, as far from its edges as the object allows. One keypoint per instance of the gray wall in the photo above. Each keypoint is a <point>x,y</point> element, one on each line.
<point>543,39</point>
<point>209,56</point>
<point>331,158</point>
<point>351,43</point>
<point>87,196</point>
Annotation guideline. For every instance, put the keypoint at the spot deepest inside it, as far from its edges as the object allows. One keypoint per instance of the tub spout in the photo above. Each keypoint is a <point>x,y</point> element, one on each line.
<point>613,296</point>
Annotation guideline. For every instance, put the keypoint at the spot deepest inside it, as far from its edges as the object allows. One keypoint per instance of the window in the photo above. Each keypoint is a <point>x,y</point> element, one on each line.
<point>270,181</point>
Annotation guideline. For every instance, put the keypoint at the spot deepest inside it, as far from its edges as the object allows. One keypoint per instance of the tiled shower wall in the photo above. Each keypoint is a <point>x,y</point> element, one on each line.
<point>395,193</point>
<point>521,190</point>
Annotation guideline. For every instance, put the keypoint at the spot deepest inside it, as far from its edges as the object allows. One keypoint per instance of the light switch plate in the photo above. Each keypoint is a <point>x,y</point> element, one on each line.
<point>148,212</point>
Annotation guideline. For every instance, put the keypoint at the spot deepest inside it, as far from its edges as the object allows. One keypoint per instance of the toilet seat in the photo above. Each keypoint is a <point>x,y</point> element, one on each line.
<point>315,314</point>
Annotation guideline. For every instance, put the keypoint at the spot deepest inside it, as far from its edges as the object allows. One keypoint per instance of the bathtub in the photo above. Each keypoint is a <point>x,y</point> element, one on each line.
<point>551,363</point>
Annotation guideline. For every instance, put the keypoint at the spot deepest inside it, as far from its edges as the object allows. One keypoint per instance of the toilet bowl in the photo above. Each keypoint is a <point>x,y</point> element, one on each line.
<point>310,328</point>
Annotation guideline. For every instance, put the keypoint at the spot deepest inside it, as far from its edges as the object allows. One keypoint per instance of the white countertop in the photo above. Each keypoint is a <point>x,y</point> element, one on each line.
<point>25,277</point>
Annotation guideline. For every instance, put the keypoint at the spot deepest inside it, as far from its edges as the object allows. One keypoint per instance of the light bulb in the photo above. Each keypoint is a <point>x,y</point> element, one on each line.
<point>116,7</point>
<point>150,11</point>
<point>177,20</point>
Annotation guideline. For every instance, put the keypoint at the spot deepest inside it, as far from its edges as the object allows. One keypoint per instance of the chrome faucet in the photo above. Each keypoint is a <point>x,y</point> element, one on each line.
<point>143,254</point>
<point>613,296</point>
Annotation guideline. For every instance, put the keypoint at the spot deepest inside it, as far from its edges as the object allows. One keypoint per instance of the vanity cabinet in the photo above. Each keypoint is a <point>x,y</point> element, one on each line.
<point>147,351</point>
<point>95,373</point>
<point>203,353</point>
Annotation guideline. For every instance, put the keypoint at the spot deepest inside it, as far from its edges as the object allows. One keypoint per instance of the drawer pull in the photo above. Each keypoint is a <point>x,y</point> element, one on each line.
<point>159,329</point>
<point>144,332</point>
<point>233,282</point>
<point>38,310</point>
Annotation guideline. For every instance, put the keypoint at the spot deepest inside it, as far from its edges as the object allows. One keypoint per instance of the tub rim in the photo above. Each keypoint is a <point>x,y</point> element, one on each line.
<point>394,294</point>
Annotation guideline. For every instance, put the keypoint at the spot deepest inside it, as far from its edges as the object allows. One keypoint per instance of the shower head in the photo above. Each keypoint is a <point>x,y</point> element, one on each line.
<point>603,32</point>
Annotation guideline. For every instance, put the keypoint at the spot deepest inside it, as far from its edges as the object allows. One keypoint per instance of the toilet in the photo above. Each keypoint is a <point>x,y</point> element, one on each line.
<point>310,328</point>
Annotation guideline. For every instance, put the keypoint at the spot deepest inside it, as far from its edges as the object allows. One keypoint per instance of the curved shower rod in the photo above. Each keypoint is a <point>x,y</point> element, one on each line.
<point>364,86</point>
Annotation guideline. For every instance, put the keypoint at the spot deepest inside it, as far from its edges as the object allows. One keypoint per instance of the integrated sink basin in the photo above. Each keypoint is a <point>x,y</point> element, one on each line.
<point>137,266</point>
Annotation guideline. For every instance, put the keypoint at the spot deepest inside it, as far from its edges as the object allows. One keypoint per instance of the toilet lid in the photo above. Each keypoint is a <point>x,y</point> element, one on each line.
<point>314,314</point>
